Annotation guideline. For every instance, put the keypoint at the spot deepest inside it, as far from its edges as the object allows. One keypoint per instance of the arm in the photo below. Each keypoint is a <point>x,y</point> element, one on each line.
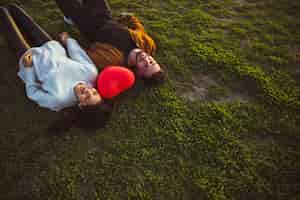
<point>36,93</point>
<point>76,52</point>
<point>104,54</point>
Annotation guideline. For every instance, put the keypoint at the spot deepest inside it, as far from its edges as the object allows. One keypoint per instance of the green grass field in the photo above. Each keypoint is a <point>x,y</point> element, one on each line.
<point>226,125</point>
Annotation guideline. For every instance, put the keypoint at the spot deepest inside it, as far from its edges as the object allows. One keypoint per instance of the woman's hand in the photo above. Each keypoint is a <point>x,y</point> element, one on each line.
<point>63,37</point>
<point>27,60</point>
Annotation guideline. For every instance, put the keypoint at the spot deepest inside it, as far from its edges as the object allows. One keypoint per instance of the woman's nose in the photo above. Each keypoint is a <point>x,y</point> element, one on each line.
<point>87,92</point>
<point>149,60</point>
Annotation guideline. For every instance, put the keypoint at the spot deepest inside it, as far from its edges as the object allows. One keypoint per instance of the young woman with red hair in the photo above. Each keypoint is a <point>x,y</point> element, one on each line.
<point>130,44</point>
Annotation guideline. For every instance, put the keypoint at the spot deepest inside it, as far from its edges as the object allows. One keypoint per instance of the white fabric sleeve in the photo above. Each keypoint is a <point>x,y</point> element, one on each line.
<point>29,75</point>
<point>77,53</point>
<point>36,93</point>
<point>59,49</point>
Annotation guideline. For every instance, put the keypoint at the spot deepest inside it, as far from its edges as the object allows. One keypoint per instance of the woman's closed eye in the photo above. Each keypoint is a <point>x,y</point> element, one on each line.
<point>140,59</point>
<point>141,56</point>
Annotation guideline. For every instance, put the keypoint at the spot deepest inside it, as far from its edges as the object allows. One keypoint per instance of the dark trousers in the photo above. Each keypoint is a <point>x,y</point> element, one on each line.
<point>20,30</point>
<point>88,15</point>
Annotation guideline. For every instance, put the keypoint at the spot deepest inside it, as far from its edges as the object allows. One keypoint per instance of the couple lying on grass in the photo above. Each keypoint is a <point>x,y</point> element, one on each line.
<point>59,75</point>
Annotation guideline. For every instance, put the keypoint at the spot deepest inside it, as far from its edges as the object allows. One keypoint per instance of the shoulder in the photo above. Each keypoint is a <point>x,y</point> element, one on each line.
<point>53,44</point>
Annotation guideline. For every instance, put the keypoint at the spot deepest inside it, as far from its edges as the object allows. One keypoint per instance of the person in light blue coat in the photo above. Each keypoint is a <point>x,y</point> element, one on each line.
<point>57,75</point>
<point>56,81</point>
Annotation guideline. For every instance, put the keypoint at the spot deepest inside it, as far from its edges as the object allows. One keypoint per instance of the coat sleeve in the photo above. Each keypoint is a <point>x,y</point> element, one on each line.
<point>76,53</point>
<point>36,93</point>
<point>41,97</point>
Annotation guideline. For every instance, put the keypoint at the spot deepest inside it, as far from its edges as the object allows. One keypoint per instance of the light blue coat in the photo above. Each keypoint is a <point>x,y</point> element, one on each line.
<point>51,80</point>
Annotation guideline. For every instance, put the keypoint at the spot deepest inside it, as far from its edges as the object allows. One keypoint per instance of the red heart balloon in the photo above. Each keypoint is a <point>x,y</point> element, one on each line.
<point>113,80</point>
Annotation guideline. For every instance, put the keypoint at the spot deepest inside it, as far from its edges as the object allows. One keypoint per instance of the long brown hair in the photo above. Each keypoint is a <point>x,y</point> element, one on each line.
<point>88,118</point>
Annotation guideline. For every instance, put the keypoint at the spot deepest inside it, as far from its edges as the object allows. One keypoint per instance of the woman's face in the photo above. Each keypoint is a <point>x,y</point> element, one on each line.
<point>145,64</point>
<point>87,95</point>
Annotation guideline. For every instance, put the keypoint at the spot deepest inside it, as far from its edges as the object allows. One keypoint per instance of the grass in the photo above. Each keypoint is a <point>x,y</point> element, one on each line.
<point>158,145</point>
